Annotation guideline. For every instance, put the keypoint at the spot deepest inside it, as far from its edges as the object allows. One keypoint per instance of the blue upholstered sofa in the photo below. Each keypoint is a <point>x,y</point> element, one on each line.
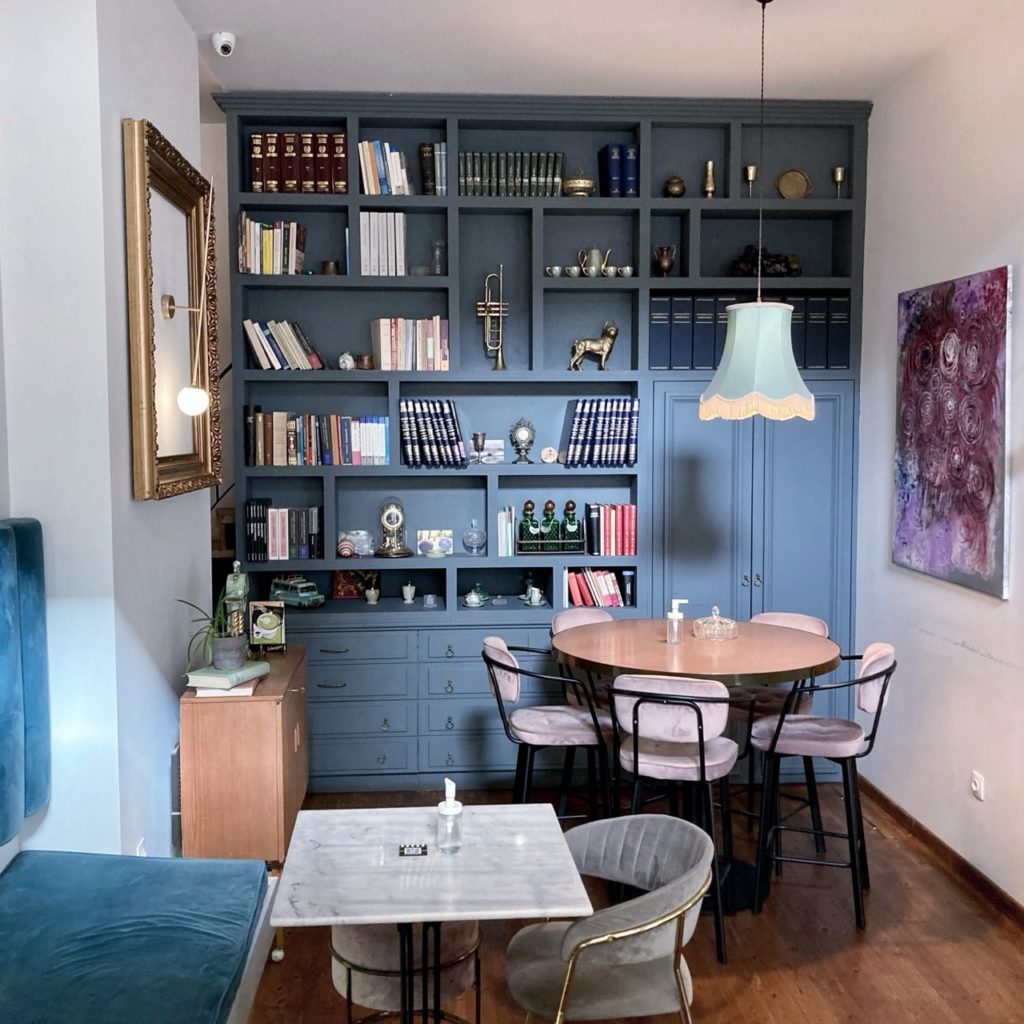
<point>100,938</point>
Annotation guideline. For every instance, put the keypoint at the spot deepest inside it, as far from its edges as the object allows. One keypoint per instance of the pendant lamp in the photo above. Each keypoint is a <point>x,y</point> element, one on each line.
<point>758,375</point>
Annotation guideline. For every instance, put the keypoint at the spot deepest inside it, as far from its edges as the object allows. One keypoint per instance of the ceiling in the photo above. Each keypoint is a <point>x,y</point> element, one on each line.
<point>816,49</point>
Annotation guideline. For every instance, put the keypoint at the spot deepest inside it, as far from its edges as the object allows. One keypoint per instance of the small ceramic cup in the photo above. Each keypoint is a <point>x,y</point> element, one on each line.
<point>626,271</point>
<point>610,271</point>
<point>554,271</point>
<point>572,271</point>
<point>430,600</point>
<point>473,599</point>
<point>372,595</point>
<point>591,271</point>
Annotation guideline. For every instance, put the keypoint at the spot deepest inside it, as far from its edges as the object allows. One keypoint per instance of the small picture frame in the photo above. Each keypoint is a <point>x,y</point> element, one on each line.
<point>266,625</point>
<point>435,543</point>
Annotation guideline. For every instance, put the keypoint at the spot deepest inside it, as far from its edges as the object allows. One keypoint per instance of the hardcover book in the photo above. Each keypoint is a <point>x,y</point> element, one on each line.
<point>339,163</point>
<point>609,163</point>
<point>307,163</point>
<point>658,333</point>
<point>256,162</point>
<point>838,332</point>
<point>289,161</point>
<point>224,679</point>
<point>322,162</point>
<point>630,169</point>
<point>681,332</point>
<point>271,163</point>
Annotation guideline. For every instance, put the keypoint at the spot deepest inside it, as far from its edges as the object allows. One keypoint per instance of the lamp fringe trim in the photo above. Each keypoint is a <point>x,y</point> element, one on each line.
<point>756,404</point>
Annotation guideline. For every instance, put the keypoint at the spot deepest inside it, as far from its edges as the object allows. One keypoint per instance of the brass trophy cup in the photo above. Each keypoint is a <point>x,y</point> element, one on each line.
<point>494,313</point>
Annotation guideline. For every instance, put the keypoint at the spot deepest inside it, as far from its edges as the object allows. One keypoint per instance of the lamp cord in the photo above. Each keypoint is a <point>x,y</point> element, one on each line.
<point>760,185</point>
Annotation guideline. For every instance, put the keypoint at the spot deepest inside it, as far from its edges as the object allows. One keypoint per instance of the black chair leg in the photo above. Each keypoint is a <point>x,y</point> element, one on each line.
<point>707,812</point>
<point>723,786</point>
<point>528,774</point>
<point>567,767</point>
<point>765,839</point>
<point>638,796</point>
<point>520,780</point>
<point>592,783</point>
<point>751,755</point>
<point>812,799</point>
<point>673,799</point>
<point>850,799</point>
<point>604,779</point>
<point>865,877</point>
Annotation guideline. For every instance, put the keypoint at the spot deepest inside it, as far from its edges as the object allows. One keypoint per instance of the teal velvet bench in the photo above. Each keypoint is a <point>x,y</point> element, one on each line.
<point>97,938</point>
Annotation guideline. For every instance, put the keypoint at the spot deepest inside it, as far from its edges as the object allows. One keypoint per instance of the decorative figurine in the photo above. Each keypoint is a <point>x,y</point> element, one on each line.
<point>709,179</point>
<point>570,532</point>
<point>522,436</point>
<point>236,590</point>
<point>346,361</point>
<point>600,347</point>
<point>750,176</point>
<point>392,530</point>
<point>438,259</point>
<point>529,529</point>
<point>549,528</point>
<point>674,186</point>
<point>772,264</point>
<point>494,313</point>
<point>664,258</point>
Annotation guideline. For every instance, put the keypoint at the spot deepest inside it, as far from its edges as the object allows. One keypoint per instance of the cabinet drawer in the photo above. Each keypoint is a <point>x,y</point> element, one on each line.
<point>468,643</point>
<point>362,756</point>
<point>373,645</point>
<point>340,681</point>
<point>479,750</point>
<point>461,680</point>
<point>360,717</point>
<point>466,714</point>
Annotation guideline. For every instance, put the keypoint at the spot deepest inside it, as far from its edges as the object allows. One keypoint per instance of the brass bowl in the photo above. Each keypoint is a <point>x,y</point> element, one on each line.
<point>578,186</point>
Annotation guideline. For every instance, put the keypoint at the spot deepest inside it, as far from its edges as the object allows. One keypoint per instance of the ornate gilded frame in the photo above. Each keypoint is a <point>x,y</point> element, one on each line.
<point>152,164</point>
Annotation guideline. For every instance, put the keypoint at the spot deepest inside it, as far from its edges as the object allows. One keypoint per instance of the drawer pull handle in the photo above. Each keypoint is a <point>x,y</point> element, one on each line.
<point>382,759</point>
<point>449,760</point>
<point>332,686</point>
<point>335,650</point>
<point>385,725</point>
<point>449,653</point>
<point>449,724</point>
<point>449,687</point>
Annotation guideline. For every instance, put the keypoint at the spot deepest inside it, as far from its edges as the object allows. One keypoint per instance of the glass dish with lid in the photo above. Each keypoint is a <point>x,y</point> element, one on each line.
<point>714,627</point>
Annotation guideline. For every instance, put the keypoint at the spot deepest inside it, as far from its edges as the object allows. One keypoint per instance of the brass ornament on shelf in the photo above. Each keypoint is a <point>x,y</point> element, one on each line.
<point>750,176</point>
<point>709,179</point>
<point>494,313</point>
<point>600,347</point>
<point>522,436</point>
<point>674,186</point>
<point>578,184</point>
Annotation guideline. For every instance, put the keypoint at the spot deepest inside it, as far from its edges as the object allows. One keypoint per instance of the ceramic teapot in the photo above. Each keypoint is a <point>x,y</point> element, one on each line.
<point>594,259</point>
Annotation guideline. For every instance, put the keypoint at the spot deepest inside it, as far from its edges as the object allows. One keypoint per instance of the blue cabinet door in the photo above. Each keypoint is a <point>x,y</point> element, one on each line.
<point>702,506</point>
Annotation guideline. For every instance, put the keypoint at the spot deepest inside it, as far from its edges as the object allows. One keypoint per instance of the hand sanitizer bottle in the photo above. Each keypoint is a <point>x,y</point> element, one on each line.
<point>674,621</point>
<point>449,821</point>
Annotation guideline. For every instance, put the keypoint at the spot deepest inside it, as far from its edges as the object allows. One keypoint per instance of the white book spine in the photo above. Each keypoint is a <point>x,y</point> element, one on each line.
<point>364,243</point>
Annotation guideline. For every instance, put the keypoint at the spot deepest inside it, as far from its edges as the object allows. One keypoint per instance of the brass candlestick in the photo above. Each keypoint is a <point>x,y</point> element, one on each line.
<point>750,176</point>
<point>709,179</point>
<point>839,176</point>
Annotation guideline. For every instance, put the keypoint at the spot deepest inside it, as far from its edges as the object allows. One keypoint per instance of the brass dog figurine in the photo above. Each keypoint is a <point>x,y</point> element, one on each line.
<point>601,347</point>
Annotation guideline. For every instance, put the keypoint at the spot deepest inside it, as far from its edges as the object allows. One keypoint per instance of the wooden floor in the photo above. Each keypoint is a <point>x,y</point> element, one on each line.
<point>932,953</point>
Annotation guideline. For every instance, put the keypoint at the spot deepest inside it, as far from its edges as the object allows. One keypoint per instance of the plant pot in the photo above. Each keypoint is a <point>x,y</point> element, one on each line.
<point>228,651</point>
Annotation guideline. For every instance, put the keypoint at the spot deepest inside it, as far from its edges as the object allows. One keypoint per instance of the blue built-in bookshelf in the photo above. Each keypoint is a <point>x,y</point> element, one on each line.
<point>748,516</point>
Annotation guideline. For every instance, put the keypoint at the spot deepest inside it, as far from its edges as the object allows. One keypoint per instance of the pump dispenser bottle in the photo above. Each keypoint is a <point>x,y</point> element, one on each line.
<point>674,621</point>
<point>449,821</point>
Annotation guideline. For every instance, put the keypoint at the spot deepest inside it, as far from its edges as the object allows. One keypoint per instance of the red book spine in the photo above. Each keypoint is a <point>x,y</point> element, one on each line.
<point>606,530</point>
<point>584,588</point>
<point>632,530</point>
<point>289,161</point>
<point>574,591</point>
<point>256,162</point>
<point>307,163</point>
<point>339,163</point>
<point>322,162</point>
<point>271,163</point>
<point>620,529</point>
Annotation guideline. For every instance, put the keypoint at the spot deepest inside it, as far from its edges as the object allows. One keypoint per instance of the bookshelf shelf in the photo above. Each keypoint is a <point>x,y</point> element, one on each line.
<point>525,234</point>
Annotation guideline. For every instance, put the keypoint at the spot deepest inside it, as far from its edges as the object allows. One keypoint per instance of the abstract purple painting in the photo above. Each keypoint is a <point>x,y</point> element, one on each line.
<point>951,464</point>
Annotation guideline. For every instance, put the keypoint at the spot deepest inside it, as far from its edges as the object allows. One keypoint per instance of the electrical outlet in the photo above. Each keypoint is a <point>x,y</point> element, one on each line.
<point>977,785</point>
<point>140,849</point>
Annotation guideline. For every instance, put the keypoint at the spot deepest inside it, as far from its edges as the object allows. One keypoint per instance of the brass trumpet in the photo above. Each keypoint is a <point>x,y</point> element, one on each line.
<point>494,313</point>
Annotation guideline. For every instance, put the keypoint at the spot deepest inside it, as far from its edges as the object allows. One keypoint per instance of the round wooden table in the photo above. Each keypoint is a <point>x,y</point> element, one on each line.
<point>759,655</point>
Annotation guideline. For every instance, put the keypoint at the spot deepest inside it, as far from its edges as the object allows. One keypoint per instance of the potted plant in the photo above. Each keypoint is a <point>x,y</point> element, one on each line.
<point>220,638</point>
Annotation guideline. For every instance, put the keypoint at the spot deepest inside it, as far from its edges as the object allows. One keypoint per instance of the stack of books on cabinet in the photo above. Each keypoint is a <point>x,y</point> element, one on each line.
<point>382,244</point>
<point>431,435</point>
<point>281,345</point>
<point>293,161</point>
<point>398,343</point>
<point>604,432</point>
<point>276,438</point>
<point>510,174</point>
<point>596,587</point>
<point>282,534</point>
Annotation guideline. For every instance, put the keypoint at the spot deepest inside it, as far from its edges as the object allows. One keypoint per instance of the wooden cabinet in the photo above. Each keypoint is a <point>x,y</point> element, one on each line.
<point>244,765</point>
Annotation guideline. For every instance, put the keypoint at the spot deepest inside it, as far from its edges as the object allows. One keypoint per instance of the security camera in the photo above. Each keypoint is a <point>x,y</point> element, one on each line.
<point>223,43</point>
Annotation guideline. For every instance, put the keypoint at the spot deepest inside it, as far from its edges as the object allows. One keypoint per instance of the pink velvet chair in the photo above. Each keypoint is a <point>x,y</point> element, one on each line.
<point>576,723</point>
<point>670,728</point>
<point>793,734</point>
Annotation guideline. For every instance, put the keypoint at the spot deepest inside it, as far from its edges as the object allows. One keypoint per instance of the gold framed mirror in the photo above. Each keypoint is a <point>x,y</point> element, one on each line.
<point>175,399</point>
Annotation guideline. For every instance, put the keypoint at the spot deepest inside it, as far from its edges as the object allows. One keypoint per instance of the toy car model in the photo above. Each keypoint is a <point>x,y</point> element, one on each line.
<point>295,591</point>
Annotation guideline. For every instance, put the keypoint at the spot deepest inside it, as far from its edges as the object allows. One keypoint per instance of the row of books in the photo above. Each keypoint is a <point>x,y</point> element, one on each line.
<point>603,432</point>
<point>510,174</point>
<point>430,433</point>
<point>398,343</point>
<point>281,345</point>
<point>279,438</point>
<point>589,587</point>
<point>277,247</point>
<point>610,528</point>
<point>618,168</point>
<point>291,533</point>
<point>292,161</point>
<point>687,332</point>
<point>434,168</point>
<point>383,169</point>
<point>382,244</point>
<point>506,531</point>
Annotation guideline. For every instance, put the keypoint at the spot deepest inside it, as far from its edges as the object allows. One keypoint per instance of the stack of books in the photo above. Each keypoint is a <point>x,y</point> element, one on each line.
<point>227,682</point>
<point>270,248</point>
<point>382,244</point>
<point>430,432</point>
<point>401,344</point>
<point>603,432</point>
<point>276,438</point>
<point>586,587</point>
<point>619,169</point>
<point>507,518</point>
<point>610,528</point>
<point>282,533</point>
<point>384,170</point>
<point>434,168</point>
<point>510,174</point>
<point>281,345</point>
<point>298,162</point>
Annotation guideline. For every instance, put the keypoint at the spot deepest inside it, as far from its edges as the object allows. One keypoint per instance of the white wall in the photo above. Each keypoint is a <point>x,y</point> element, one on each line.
<point>945,200</point>
<point>114,566</point>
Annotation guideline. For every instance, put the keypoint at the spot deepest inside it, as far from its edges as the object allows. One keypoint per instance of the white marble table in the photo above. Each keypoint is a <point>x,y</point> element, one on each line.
<point>343,867</point>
